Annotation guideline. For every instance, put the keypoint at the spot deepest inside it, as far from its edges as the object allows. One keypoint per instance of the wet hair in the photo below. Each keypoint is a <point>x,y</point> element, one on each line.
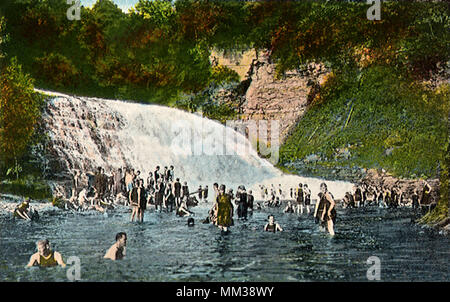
<point>270,215</point>
<point>190,221</point>
<point>43,242</point>
<point>120,235</point>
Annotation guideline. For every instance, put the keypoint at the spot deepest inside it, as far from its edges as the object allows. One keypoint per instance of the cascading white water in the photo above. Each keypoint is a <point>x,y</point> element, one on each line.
<point>90,132</point>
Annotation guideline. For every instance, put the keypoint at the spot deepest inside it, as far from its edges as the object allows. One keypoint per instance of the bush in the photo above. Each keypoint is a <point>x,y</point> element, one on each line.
<point>19,113</point>
<point>57,70</point>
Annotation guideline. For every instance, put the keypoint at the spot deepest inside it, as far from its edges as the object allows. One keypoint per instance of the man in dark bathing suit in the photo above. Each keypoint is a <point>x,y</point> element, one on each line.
<point>325,211</point>
<point>177,191</point>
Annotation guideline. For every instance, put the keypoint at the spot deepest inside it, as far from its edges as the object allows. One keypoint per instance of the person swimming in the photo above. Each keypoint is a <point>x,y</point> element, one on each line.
<point>45,257</point>
<point>272,225</point>
<point>118,250</point>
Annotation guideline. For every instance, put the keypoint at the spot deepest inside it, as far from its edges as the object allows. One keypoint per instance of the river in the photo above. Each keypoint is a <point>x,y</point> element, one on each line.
<point>164,248</point>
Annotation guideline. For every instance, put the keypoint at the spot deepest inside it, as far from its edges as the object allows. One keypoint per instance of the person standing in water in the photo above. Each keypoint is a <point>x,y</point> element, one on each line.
<point>142,199</point>
<point>200,193</point>
<point>272,225</point>
<point>224,210</point>
<point>307,197</point>
<point>45,257</point>
<point>300,199</point>
<point>118,250</point>
<point>157,174</point>
<point>216,191</point>
<point>205,194</point>
<point>177,192</point>
<point>134,202</point>
<point>185,191</point>
<point>325,211</point>
<point>171,173</point>
<point>250,200</point>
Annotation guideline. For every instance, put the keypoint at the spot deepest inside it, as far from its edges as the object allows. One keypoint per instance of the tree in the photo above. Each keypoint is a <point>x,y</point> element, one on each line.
<point>19,113</point>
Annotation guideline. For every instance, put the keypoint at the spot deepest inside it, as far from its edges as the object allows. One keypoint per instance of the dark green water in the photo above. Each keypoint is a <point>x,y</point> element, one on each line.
<point>163,248</point>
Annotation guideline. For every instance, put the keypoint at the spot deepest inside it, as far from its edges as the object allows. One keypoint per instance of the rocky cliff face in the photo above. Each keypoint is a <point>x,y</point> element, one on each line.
<point>285,99</point>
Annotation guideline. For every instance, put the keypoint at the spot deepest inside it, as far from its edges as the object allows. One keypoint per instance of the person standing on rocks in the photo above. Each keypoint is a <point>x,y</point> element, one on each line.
<point>426,193</point>
<point>357,196</point>
<point>76,183</point>
<point>415,199</point>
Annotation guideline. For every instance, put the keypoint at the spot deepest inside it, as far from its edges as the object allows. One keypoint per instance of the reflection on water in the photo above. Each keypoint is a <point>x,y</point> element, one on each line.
<point>164,248</point>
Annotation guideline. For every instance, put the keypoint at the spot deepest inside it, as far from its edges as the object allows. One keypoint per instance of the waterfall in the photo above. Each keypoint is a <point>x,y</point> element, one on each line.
<point>89,132</point>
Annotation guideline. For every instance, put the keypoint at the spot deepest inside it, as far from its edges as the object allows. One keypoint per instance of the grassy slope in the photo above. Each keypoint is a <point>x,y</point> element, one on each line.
<point>382,121</point>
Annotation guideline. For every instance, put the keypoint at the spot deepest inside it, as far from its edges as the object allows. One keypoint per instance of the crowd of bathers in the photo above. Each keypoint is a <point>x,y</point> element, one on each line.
<point>127,186</point>
<point>386,196</point>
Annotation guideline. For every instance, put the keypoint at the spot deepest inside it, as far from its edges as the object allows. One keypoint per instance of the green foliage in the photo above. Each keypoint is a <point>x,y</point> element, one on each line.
<point>223,75</point>
<point>16,169</point>
<point>58,70</point>
<point>394,125</point>
<point>30,186</point>
<point>159,13</point>
<point>19,112</point>
<point>3,39</point>
<point>165,45</point>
